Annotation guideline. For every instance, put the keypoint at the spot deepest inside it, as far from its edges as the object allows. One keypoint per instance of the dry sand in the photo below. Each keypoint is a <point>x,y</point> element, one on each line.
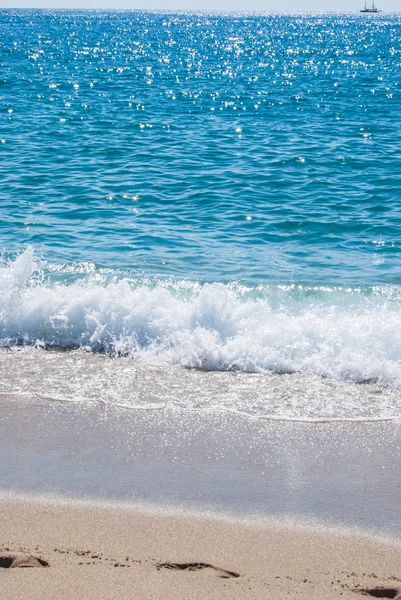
<point>103,552</point>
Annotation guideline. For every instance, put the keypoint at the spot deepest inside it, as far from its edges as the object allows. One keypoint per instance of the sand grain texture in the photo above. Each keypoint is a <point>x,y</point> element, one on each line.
<point>100,552</point>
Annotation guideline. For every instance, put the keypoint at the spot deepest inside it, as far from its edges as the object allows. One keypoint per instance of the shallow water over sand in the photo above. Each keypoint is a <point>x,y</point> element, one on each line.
<point>336,473</point>
<point>93,380</point>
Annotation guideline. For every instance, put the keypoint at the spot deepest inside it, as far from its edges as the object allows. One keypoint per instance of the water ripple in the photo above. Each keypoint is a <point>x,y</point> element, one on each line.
<point>258,147</point>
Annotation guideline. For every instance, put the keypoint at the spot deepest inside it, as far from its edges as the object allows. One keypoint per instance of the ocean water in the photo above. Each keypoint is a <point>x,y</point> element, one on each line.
<point>202,211</point>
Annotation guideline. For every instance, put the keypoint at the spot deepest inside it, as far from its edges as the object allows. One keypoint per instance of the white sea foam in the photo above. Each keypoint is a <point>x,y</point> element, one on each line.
<point>338,334</point>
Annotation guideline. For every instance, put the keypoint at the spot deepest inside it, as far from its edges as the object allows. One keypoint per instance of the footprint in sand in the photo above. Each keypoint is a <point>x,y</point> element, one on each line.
<point>14,562</point>
<point>381,592</point>
<point>197,566</point>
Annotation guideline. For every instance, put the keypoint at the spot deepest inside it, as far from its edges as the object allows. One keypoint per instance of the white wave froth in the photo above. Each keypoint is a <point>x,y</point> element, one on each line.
<point>347,336</point>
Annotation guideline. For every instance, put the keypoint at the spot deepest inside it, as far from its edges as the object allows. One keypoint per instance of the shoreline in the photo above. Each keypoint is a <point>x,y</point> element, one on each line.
<point>178,505</point>
<point>336,473</point>
<point>199,514</point>
<point>108,552</point>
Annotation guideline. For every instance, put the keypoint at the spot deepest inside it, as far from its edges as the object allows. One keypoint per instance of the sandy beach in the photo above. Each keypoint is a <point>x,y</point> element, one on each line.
<point>103,552</point>
<point>116,504</point>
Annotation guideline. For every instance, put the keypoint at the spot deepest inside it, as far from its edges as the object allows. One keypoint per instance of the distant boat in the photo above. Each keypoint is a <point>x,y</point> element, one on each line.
<point>373,9</point>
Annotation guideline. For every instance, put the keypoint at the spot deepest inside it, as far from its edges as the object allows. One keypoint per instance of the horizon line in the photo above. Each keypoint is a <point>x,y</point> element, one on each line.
<point>193,10</point>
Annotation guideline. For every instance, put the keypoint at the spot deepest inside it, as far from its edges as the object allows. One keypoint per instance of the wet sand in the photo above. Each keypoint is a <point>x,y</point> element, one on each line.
<point>339,473</point>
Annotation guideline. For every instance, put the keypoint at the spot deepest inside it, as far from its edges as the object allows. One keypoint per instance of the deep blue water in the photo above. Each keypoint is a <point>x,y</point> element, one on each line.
<point>222,191</point>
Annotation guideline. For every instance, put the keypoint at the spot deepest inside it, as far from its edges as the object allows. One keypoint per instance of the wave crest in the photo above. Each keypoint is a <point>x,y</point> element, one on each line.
<point>340,334</point>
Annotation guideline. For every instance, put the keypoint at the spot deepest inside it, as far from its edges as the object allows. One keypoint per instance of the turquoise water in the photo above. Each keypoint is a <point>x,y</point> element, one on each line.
<point>259,148</point>
<point>211,191</point>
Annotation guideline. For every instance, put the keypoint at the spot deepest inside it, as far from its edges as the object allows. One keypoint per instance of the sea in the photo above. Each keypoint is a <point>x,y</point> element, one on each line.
<point>201,212</point>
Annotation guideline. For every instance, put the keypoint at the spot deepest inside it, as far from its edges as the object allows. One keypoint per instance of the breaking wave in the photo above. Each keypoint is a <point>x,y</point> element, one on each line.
<point>341,333</point>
